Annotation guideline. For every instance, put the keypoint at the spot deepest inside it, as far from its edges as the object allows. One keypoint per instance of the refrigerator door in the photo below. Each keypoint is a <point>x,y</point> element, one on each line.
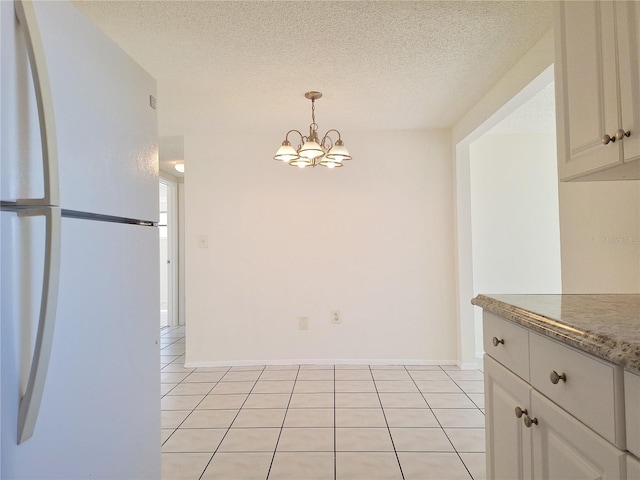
<point>20,149</point>
<point>99,416</point>
<point>105,118</point>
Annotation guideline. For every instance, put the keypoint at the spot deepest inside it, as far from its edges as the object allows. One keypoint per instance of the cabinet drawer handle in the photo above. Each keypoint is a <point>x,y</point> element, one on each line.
<point>528,421</point>
<point>555,377</point>
<point>606,139</point>
<point>620,134</point>
<point>497,342</point>
<point>520,412</point>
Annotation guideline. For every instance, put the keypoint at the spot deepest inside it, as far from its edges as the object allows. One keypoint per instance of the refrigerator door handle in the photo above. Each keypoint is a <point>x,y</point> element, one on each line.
<point>30,403</point>
<point>26,15</point>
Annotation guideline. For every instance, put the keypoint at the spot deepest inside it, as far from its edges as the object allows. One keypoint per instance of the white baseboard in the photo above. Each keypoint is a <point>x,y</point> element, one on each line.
<point>322,361</point>
<point>467,366</point>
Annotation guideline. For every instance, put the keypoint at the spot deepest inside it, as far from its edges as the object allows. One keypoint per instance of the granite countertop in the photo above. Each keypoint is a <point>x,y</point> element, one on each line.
<point>607,326</point>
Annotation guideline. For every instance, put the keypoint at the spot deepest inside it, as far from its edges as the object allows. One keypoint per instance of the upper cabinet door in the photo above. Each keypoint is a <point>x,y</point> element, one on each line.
<point>586,87</point>
<point>627,22</point>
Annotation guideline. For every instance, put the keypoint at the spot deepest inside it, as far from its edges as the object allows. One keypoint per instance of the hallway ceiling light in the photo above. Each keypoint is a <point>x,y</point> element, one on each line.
<point>311,151</point>
<point>179,167</point>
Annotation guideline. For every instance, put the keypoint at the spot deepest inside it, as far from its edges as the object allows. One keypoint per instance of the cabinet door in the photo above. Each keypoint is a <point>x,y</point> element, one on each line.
<point>564,448</point>
<point>508,441</point>
<point>633,467</point>
<point>586,87</point>
<point>627,22</point>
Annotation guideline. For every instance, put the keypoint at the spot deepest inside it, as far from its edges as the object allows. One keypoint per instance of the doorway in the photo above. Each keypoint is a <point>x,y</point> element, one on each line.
<point>515,89</point>
<point>515,226</point>
<point>167,231</point>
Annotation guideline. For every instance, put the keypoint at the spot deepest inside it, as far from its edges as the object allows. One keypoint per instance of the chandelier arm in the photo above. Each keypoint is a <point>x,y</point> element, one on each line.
<point>286,137</point>
<point>326,136</point>
<point>333,130</point>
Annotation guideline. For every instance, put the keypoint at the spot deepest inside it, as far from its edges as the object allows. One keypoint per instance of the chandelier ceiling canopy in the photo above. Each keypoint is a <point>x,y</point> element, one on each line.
<point>312,151</point>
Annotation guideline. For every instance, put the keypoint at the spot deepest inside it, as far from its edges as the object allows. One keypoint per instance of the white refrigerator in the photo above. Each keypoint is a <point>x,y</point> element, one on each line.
<point>79,264</point>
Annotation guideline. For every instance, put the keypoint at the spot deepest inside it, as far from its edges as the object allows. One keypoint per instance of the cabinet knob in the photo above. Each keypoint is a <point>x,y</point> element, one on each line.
<point>497,341</point>
<point>528,421</point>
<point>606,139</point>
<point>555,377</point>
<point>620,134</point>
<point>520,412</point>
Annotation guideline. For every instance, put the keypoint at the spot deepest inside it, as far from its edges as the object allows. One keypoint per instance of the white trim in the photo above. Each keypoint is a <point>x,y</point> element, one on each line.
<point>532,72</point>
<point>323,361</point>
<point>172,246</point>
<point>480,361</point>
<point>468,366</point>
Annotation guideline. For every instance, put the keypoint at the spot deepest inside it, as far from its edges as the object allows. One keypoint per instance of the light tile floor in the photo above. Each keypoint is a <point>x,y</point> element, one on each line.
<point>306,422</point>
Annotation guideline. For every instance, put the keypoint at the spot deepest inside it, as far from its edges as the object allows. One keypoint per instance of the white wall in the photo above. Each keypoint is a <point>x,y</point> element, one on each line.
<point>600,231</point>
<point>373,240</point>
<point>514,212</point>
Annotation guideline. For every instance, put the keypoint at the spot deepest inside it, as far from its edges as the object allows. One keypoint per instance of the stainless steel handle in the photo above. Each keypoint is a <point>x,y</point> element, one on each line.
<point>606,139</point>
<point>555,377</point>
<point>528,421</point>
<point>30,403</point>
<point>520,412</point>
<point>620,134</point>
<point>496,341</point>
<point>27,18</point>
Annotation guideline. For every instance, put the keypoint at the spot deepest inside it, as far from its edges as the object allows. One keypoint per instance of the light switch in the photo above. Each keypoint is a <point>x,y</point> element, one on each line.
<point>203,241</point>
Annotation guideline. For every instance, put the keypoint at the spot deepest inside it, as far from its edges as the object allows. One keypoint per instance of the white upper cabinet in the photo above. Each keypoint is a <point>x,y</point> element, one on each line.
<point>597,90</point>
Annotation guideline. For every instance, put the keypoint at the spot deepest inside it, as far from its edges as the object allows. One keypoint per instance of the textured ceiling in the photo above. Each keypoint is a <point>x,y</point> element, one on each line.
<point>242,66</point>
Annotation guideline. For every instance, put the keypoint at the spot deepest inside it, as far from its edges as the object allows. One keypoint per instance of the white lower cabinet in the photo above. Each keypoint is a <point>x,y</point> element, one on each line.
<point>532,433</point>
<point>540,440</point>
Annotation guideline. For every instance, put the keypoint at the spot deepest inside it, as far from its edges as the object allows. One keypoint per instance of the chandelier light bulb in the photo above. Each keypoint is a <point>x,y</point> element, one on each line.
<point>286,153</point>
<point>311,150</point>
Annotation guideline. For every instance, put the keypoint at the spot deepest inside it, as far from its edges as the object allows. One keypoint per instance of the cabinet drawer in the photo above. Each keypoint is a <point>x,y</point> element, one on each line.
<point>589,388</point>
<point>507,343</point>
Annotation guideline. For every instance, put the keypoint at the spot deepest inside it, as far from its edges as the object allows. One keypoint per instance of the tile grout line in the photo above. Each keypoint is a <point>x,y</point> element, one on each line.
<point>445,432</point>
<point>162,396</point>
<point>197,405</point>
<point>231,424</point>
<point>438,420</point>
<point>275,448</point>
<point>387,422</point>
<point>467,395</point>
<point>463,391</point>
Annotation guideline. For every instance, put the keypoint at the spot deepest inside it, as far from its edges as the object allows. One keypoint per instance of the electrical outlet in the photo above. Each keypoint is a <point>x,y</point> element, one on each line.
<point>303,323</point>
<point>335,317</point>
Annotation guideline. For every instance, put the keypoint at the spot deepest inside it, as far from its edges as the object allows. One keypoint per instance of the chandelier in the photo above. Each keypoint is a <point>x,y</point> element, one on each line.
<point>311,151</point>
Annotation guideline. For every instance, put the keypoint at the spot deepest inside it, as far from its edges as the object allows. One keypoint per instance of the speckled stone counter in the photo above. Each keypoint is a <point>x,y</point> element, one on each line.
<point>607,326</point>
